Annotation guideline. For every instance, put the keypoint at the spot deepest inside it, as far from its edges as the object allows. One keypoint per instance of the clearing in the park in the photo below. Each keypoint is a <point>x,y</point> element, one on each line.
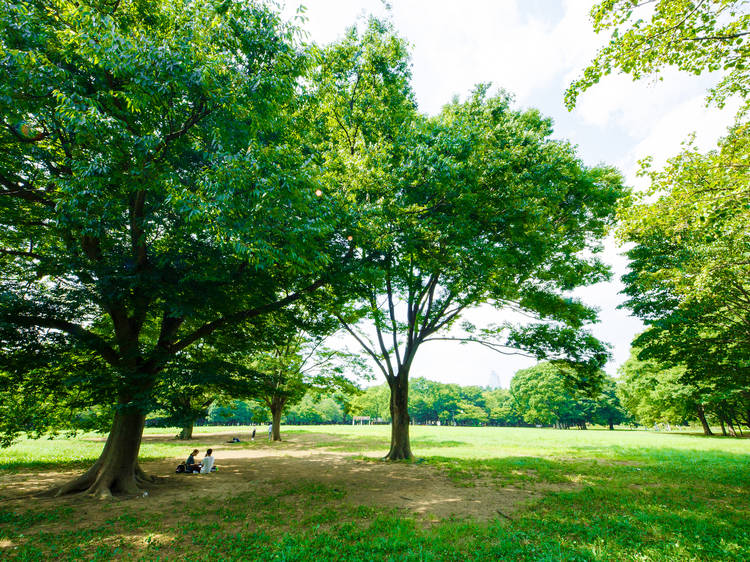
<point>323,494</point>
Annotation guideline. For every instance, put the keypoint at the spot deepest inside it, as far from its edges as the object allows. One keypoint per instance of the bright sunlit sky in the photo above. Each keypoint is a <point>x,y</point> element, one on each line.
<point>534,49</point>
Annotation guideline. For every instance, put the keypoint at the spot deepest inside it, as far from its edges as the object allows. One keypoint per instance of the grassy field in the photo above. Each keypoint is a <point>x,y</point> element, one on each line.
<point>591,495</point>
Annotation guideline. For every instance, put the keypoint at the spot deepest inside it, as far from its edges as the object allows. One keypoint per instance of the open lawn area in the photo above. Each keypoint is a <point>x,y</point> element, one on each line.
<point>322,494</point>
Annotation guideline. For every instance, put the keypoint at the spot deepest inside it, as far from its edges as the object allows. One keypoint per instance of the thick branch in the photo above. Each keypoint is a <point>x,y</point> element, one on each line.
<point>367,348</point>
<point>94,341</point>
<point>498,348</point>
<point>238,317</point>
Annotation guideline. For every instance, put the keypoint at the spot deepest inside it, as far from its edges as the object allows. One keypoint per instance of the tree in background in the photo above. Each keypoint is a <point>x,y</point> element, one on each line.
<point>608,410</point>
<point>239,412</point>
<point>543,395</point>
<point>315,408</point>
<point>153,191</point>
<point>373,402</point>
<point>295,361</point>
<point>502,408</point>
<point>653,393</point>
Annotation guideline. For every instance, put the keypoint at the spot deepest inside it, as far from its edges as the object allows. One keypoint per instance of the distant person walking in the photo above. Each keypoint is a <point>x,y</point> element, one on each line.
<point>253,437</point>
<point>270,430</point>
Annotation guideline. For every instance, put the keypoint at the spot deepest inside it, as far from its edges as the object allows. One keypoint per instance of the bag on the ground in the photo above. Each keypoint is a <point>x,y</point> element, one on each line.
<point>180,468</point>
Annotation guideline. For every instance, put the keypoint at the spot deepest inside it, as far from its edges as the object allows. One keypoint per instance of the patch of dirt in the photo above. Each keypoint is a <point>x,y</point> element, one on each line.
<point>261,467</point>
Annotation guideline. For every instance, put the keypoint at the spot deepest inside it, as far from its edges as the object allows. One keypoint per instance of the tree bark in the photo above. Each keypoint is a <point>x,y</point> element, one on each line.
<point>187,431</point>
<point>704,423</point>
<point>116,471</point>
<point>611,426</point>
<point>731,428</point>
<point>400,446</point>
<point>277,406</point>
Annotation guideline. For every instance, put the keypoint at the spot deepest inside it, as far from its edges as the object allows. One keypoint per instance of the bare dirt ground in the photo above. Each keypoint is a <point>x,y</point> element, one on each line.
<point>300,459</point>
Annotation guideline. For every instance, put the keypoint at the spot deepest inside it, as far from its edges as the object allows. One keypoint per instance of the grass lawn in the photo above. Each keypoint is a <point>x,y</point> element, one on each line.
<point>322,495</point>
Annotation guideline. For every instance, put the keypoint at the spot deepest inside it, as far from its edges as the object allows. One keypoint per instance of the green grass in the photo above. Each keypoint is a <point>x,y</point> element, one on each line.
<point>622,495</point>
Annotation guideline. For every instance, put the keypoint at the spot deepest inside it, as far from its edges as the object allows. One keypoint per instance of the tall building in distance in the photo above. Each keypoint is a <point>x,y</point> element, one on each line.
<point>494,380</point>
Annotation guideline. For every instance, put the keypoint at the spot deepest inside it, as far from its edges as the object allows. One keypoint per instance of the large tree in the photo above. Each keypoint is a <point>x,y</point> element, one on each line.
<point>689,267</point>
<point>475,206</point>
<point>153,190</point>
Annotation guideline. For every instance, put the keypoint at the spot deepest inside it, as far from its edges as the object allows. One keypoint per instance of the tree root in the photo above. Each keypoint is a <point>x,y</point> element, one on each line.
<point>102,484</point>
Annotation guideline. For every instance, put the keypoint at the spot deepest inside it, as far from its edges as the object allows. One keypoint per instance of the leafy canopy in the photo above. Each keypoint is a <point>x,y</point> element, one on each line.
<point>694,36</point>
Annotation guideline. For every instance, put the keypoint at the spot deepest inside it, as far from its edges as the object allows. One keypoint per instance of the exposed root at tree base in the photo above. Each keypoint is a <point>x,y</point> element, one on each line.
<point>103,484</point>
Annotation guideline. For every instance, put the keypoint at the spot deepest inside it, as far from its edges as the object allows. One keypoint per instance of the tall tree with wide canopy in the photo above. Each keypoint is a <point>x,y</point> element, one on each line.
<point>475,206</point>
<point>688,271</point>
<point>153,190</point>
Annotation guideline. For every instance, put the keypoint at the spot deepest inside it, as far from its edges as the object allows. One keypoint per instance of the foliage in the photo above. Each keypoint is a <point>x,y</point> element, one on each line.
<point>689,269</point>
<point>312,410</point>
<point>539,395</point>
<point>688,261</point>
<point>692,36</point>
<point>477,205</point>
<point>655,394</point>
<point>242,412</point>
<point>153,189</point>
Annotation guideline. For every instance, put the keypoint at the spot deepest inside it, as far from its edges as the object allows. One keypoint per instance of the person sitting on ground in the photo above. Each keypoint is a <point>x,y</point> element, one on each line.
<point>190,464</point>
<point>208,462</point>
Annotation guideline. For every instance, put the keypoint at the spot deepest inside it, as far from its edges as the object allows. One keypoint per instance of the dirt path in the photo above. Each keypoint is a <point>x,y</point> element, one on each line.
<point>421,489</point>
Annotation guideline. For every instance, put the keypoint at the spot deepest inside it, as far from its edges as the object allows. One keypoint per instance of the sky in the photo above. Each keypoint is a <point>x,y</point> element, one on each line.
<point>534,49</point>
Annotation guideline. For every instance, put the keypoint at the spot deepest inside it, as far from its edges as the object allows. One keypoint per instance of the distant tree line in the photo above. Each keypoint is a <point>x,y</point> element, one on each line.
<point>537,396</point>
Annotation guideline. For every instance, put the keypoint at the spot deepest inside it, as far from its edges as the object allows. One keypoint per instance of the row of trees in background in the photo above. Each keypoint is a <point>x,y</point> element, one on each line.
<point>540,395</point>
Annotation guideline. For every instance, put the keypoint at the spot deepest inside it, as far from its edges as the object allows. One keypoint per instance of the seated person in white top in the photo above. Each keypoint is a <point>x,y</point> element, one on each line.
<point>207,463</point>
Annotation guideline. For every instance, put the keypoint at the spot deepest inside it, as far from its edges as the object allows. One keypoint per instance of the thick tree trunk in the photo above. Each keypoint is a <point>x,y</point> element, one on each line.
<point>704,423</point>
<point>116,471</point>
<point>723,427</point>
<point>400,447</point>
<point>187,431</point>
<point>611,426</point>
<point>277,405</point>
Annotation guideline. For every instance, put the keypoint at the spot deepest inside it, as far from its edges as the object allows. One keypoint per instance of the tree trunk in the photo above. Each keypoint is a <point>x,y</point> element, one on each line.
<point>277,405</point>
<point>723,428</point>
<point>187,431</point>
<point>400,447</point>
<point>116,471</point>
<point>704,423</point>
<point>611,426</point>
<point>731,428</point>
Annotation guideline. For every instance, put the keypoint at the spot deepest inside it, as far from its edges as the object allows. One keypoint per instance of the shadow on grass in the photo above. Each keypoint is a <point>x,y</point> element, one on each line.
<point>24,465</point>
<point>614,511</point>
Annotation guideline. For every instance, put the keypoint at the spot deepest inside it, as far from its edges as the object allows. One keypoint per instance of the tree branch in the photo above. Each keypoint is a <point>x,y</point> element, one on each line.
<point>95,342</point>
<point>210,327</point>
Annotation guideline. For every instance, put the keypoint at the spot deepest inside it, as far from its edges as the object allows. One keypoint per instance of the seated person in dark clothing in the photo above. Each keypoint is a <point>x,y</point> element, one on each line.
<point>190,464</point>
